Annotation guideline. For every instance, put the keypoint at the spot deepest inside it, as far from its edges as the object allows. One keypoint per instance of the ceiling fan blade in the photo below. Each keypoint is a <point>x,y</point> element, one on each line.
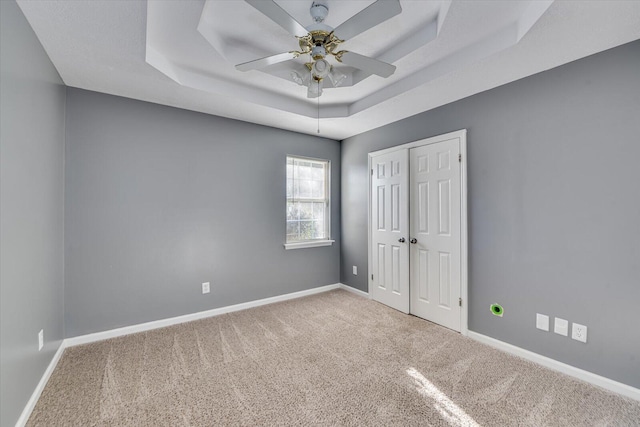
<point>264,62</point>
<point>369,17</point>
<point>279,16</point>
<point>369,65</point>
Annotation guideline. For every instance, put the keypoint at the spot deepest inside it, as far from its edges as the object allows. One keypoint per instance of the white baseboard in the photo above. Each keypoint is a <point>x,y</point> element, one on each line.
<point>31,403</point>
<point>581,374</point>
<point>354,290</point>
<point>142,327</point>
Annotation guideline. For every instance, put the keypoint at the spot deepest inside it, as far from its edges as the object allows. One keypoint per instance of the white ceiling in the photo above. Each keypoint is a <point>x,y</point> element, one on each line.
<point>182,53</point>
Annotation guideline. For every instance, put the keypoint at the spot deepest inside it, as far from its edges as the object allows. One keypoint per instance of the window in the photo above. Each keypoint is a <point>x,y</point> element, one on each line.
<point>308,208</point>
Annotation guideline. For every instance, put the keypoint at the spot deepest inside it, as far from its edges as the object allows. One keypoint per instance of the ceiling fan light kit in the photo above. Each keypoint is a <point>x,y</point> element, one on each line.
<point>320,42</point>
<point>336,77</point>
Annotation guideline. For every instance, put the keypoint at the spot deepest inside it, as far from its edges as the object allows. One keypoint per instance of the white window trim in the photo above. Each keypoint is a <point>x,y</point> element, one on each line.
<point>309,244</point>
<point>320,242</point>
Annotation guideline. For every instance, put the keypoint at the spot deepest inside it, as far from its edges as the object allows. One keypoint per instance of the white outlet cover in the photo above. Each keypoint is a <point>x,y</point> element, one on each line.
<point>40,339</point>
<point>206,287</point>
<point>355,270</point>
<point>579,332</point>
<point>561,326</point>
<point>542,322</point>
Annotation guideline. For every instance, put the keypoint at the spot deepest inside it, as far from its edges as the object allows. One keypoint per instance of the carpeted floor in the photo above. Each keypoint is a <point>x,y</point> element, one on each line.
<point>329,359</point>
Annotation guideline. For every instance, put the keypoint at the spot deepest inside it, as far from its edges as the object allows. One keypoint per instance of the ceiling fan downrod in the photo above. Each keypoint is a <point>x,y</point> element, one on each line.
<point>319,10</point>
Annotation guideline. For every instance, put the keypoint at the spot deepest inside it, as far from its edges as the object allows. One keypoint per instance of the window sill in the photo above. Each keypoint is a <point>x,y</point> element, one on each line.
<point>312,244</point>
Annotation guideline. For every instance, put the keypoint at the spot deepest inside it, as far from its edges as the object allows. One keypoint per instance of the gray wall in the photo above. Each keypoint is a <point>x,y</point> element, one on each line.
<point>159,200</point>
<point>31,210</point>
<point>554,206</point>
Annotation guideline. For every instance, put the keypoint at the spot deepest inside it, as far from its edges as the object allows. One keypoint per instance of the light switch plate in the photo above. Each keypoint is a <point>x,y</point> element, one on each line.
<point>542,322</point>
<point>561,326</point>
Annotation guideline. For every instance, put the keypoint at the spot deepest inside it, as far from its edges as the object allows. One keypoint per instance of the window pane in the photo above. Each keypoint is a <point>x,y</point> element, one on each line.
<point>317,172</point>
<point>292,228</point>
<point>319,229</point>
<point>289,188</point>
<point>318,211</point>
<point>292,211</point>
<point>305,189</point>
<point>307,230</point>
<point>296,189</point>
<point>306,210</point>
<point>317,189</point>
<point>304,170</point>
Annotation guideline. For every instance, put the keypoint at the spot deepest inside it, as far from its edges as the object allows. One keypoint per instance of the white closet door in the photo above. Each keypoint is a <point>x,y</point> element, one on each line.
<point>390,229</point>
<point>435,225</point>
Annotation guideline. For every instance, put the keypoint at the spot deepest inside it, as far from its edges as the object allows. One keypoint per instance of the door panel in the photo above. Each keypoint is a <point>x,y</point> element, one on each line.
<point>435,223</point>
<point>381,265</point>
<point>390,216</point>
<point>422,278</point>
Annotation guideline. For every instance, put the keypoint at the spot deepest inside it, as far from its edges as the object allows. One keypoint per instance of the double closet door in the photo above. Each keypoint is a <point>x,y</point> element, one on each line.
<point>415,238</point>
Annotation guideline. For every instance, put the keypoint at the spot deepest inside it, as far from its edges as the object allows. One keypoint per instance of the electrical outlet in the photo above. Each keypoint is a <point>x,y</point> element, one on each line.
<point>206,287</point>
<point>561,326</point>
<point>355,270</point>
<point>542,322</point>
<point>40,339</point>
<point>579,332</point>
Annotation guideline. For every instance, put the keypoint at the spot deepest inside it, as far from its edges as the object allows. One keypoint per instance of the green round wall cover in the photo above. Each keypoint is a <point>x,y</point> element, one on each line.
<point>497,310</point>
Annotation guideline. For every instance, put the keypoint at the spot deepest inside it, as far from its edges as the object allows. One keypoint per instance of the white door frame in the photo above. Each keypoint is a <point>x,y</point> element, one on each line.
<point>461,135</point>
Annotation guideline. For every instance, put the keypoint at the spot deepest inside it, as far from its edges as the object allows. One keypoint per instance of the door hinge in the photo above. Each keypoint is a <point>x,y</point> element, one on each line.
<point>371,171</point>
<point>460,157</point>
<point>372,277</point>
<point>460,302</point>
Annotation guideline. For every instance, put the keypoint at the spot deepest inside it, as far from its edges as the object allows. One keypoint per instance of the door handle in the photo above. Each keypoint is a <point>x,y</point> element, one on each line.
<point>414,241</point>
<point>401,240</point>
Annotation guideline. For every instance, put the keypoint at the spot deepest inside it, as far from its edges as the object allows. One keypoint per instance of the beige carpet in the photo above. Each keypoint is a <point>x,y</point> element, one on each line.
<point>329,359</point>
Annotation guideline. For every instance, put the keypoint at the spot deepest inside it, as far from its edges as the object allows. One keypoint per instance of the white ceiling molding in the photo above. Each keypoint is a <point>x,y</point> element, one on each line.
<point>183,53</point>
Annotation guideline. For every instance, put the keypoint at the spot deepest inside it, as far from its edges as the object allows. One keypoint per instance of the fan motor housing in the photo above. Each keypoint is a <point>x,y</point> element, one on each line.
<point>318,52</point>
<point>319,43</point>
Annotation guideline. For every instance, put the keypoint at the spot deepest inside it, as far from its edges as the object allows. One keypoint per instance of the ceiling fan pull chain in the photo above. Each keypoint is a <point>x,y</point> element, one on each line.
<point>318,110</point>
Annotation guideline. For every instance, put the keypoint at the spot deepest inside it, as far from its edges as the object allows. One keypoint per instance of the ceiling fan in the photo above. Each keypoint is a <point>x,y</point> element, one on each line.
<point>320,40</point>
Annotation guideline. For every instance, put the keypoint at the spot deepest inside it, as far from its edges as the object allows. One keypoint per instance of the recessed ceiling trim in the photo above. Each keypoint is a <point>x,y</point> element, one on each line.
<point>482,49</point>
<point>534,12</point>
<point>411,43</point>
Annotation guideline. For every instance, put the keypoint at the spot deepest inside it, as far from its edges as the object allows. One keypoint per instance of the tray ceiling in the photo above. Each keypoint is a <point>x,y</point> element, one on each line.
<point>182,53</point>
